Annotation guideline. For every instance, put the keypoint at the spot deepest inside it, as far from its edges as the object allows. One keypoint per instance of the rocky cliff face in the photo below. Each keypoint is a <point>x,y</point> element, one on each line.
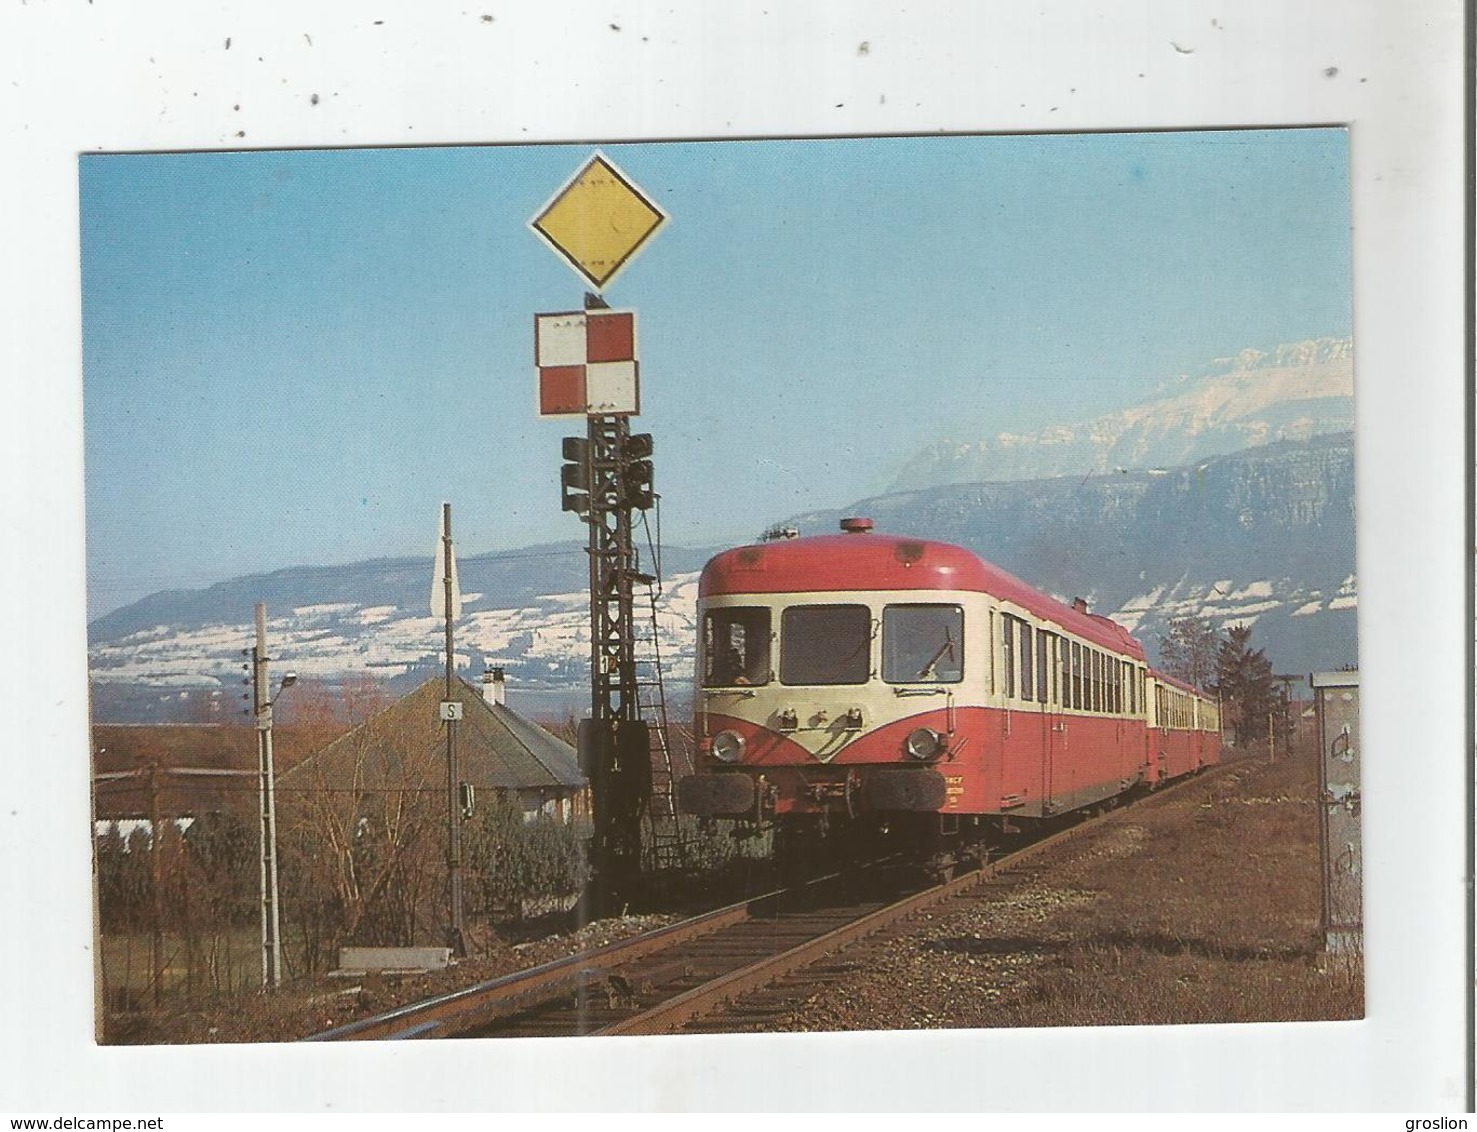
<point>1293,392</point>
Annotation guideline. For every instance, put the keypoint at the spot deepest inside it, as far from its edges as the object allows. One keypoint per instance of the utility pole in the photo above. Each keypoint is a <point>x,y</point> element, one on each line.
<point>446,600</point>
<point>1283,708</point>
<point>156,879</point>
<point>267,792</point>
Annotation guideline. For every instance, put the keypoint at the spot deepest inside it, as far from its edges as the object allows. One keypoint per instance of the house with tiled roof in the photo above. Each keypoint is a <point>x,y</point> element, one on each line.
<point>499,752</point>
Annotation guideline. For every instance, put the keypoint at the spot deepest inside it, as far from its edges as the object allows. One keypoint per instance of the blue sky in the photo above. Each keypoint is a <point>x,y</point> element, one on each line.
<point>293,357</point>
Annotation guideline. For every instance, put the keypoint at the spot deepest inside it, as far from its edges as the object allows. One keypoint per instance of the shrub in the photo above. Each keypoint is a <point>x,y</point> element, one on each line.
<point>511,861</point>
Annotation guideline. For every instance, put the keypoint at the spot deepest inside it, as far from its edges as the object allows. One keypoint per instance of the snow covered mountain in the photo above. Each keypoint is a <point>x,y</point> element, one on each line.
<point>1231,497</point>
<point>178,655</point>
<point>1262,537</point>
<point>1292,392</point>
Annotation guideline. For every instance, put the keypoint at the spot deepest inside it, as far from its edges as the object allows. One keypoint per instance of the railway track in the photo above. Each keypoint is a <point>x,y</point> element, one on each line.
<point>673,978</point>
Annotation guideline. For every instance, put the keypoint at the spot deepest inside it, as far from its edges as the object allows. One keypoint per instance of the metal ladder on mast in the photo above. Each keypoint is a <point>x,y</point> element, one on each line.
<point>665,848</point>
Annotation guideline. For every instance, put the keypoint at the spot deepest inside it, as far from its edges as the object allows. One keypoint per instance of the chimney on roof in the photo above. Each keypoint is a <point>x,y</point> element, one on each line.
<point>1079,604</point>
<point>494,689</point>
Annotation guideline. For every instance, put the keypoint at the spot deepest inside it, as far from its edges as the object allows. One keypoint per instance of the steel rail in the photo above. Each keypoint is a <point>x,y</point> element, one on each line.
<point>670,1016</point>
<point>457,1011</point>
<point>459,1007</point>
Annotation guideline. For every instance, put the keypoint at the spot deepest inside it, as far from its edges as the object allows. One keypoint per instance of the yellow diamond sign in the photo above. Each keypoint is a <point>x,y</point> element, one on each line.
<point>598,221</point>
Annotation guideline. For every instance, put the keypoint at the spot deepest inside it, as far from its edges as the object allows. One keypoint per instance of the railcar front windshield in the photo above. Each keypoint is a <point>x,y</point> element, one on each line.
<point>825,644</point>
<point>736,647</point>
<point>923,644</point>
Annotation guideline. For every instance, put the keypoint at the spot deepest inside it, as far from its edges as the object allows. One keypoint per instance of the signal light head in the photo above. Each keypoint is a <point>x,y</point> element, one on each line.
<point>574,477</point>
<point>639,492</point>
<point>575,447</point>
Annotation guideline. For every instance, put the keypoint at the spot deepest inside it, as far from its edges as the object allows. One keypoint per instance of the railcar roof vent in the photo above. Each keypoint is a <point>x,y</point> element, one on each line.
<point>856,526</point>
<point>1079,604</point>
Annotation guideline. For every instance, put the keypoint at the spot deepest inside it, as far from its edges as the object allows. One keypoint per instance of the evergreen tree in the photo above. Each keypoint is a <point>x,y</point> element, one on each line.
<point>511,860</point>
<point>1248,690</point>
<point>223,852</point>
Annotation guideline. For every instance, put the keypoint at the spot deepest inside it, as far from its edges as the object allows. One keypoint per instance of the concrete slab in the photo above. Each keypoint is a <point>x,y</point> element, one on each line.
<point>394,958</point>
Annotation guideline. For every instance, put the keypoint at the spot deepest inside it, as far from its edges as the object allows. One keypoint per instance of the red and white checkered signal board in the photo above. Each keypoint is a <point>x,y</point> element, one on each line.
<point>586,363</point>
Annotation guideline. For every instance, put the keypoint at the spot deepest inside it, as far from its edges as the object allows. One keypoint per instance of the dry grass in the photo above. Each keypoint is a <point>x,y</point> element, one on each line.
<point>1213,919</point>
<point>1202,906</point>
<point>229,961</point>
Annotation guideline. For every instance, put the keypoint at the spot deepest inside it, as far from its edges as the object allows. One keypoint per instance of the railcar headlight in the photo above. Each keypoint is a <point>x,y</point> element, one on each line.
<point>728,746</point>
<point>923,743</point>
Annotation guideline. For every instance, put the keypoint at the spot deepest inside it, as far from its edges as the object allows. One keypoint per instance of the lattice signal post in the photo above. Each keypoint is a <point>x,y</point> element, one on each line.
<point>587,366</point>
<point>607,478</point>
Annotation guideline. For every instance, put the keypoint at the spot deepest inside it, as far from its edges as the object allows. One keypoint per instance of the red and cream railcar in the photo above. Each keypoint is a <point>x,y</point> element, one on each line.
<point>1184,729</point>
<point>872,684</point>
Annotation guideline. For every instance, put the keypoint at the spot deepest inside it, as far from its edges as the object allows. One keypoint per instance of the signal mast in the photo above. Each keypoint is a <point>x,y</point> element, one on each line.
<point>587,366</point>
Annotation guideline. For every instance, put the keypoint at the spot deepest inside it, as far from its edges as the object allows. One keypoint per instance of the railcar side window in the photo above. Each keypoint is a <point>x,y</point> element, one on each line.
<point>1042,663</point>
<point>1212,717</point>
<point>735,647</point>
<point>923,644</point>
<point>1007,629</point>
<point>1064,672</point>
<point>1076,675</point>
<point>825,644</point>
<point>991,651</point>
<point>1028,663</point>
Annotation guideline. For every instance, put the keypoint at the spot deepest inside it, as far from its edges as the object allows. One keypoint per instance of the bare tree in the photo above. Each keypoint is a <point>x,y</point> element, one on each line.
<point>1190,651</point>
<point>362,845</point>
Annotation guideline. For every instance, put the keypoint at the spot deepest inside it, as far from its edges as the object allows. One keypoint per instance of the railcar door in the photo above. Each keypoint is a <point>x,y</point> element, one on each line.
<point>1054,719</point>
<point>1036,729</point>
